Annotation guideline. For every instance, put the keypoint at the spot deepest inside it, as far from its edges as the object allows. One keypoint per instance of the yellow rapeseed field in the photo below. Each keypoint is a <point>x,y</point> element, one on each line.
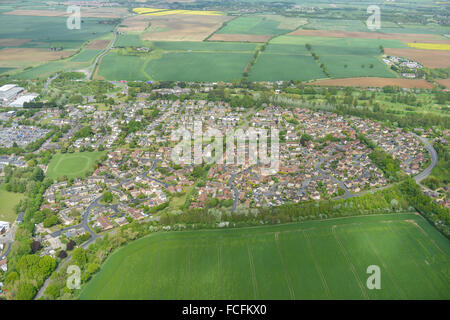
<point>146,10</point>
<point>430,46</point>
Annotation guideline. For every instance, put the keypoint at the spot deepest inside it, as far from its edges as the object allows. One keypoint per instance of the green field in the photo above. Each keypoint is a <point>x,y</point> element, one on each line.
<point>86,55</point>
<point>46,31</point>
<point>118,67</point>
<point>72,165</point>
<point>8,202</point>
<point>183,61</point>
<point>198,66</point>
<point>310,260</point>
<point>253,25</point>
<point>274,67</point>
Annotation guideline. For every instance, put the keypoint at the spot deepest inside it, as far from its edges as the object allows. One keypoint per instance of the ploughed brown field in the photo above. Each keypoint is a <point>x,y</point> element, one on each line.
<point>444,82</point>
<point>98,44</point>
<point>32,54</point>
<point>240,37</point>
<point>182,27</point>
<point>13,42</point>
<point>374,82</point>
<point>406,37</point>
<point>429,58</point>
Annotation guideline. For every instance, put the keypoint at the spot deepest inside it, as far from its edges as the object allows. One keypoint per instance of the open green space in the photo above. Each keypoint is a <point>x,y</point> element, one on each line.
<point>51,30</point>
<point>198,66</point>
<point>274,67</point>
<point>85,56</point>
<point>253,25</point>
<point>190,46</point>
<point>72,165</point>
<point>129,40</point>
<point>121,67</point>
<point>311,260</point>
<point>8,203</point>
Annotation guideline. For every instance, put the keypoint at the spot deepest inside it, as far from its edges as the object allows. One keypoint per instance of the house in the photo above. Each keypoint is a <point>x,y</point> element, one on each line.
<point>4,225</point>
<point>104,223</point>
<point>3,265</point>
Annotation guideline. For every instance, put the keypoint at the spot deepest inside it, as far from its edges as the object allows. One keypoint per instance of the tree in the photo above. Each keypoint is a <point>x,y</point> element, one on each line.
<point>25,291</point>
<point>70,245</point>
<point>51,221</point>
<point>79,257</point>
<point>107,197</point>
<point>35,246</point>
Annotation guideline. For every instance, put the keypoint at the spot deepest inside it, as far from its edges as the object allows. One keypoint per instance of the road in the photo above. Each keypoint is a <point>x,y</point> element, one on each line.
<point>434,160</point>
<point>47,83</point>
<point>105,52</point>
<point>85,225</point>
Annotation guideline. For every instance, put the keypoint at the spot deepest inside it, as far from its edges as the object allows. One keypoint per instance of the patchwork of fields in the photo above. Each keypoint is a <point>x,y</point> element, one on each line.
<point>311,260</point>
<point>192,45</point>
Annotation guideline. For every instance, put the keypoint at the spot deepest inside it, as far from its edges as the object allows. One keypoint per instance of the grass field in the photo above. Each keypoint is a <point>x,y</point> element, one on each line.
<point>198,66</point>
<point>310,260</point>
<point>8,202</point>
<point>72,165</point>
<point>185,61</point>
<point>253,25</point>
<point>274,67</point>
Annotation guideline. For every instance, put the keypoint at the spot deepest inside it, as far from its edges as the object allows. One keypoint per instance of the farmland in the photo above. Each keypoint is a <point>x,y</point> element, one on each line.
<point>72,165</point>
<point>8,202</point>
<point>311,260</point>
<point>187,61</point>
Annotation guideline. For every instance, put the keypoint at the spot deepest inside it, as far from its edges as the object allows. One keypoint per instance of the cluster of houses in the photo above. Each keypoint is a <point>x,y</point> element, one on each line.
<point>406,67</point>
<point>403,146</point>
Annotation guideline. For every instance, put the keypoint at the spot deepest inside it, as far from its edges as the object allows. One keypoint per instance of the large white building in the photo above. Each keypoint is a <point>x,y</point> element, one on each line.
<point>9,92</point>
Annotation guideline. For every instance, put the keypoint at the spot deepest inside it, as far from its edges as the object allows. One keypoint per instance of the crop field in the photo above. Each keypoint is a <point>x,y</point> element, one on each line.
<point>129,40</point>
<point>309,260</point>
<point>179,60</point>
<point>428,58</point>
<point>253,25</point>
<point>336,24</point>
<point>8,202</point>
<point>181,27</point>
<point>347,66</point>
<point>72,165</point>
<point>85,55</point>
<point>50,29</point>
<point>118,67</point>
<point>366,35</point>
<point>199,66</point>
<point>273,67</point>
<point>205,46</point>
<point>430,46</point>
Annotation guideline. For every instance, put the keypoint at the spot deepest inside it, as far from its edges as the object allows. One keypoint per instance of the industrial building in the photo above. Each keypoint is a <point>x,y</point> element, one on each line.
<point>8,93</point>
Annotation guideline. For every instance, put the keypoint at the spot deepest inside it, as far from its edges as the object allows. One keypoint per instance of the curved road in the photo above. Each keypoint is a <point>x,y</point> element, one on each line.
<point>434,160</point>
